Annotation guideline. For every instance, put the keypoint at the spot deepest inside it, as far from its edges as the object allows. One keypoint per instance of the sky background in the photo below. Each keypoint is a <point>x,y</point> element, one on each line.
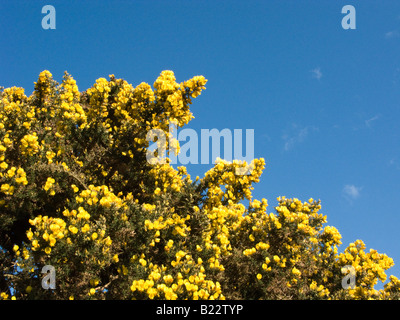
<point>323,101</point>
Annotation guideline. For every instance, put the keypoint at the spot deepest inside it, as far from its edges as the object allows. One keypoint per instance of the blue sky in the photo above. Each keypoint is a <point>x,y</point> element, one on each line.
<point>323,101</point>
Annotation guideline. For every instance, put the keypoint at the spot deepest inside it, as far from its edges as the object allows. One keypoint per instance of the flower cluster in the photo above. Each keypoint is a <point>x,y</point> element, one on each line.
<point>183,282</point>
<point>369,267</point>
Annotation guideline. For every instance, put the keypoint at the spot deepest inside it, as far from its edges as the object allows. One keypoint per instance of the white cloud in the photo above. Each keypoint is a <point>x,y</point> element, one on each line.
<point>297,136</point>
<point>316,73</point>
<point>351,192</point>
<point>392,34</point>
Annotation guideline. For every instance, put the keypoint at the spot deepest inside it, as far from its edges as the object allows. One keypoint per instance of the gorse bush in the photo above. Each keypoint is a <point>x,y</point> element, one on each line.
<point>77,193</point>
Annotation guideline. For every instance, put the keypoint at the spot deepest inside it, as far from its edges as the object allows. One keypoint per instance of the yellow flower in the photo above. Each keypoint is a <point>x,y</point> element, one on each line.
<point>313,285</point>
<point>29,144</point>
<point>44,75</point>
<point>50,155</point>
<point>29,234</point>
<point>52,241</point>
<point>45,236</point>
<point>142,262</point>
<point>259,276</point>
<point>73,229</point>
<point>108,241</point>
<point>94,282</point>
<point>85,228</point>
<point>35,245</point>
<point>296,271</point>
<point>5,187</point>
<point>49,183</point>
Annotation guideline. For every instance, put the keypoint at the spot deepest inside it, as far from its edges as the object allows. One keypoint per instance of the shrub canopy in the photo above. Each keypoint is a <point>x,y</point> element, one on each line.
<point>77,193</point>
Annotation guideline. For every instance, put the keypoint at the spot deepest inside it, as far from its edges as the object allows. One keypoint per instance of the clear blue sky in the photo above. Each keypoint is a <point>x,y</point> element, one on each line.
<point>323,101</point>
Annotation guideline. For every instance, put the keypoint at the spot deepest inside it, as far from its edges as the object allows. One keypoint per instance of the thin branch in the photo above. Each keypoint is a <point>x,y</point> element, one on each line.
<point>101,288</point>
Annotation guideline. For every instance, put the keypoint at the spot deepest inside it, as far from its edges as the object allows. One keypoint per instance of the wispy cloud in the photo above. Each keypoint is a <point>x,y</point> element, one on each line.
<point>297,135</point>
<point>369,121</point>
<point>392,34</point>
<point>316,73</point>
<point>351,192</point>
<point>394,163</point>
<point>396,76</point>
